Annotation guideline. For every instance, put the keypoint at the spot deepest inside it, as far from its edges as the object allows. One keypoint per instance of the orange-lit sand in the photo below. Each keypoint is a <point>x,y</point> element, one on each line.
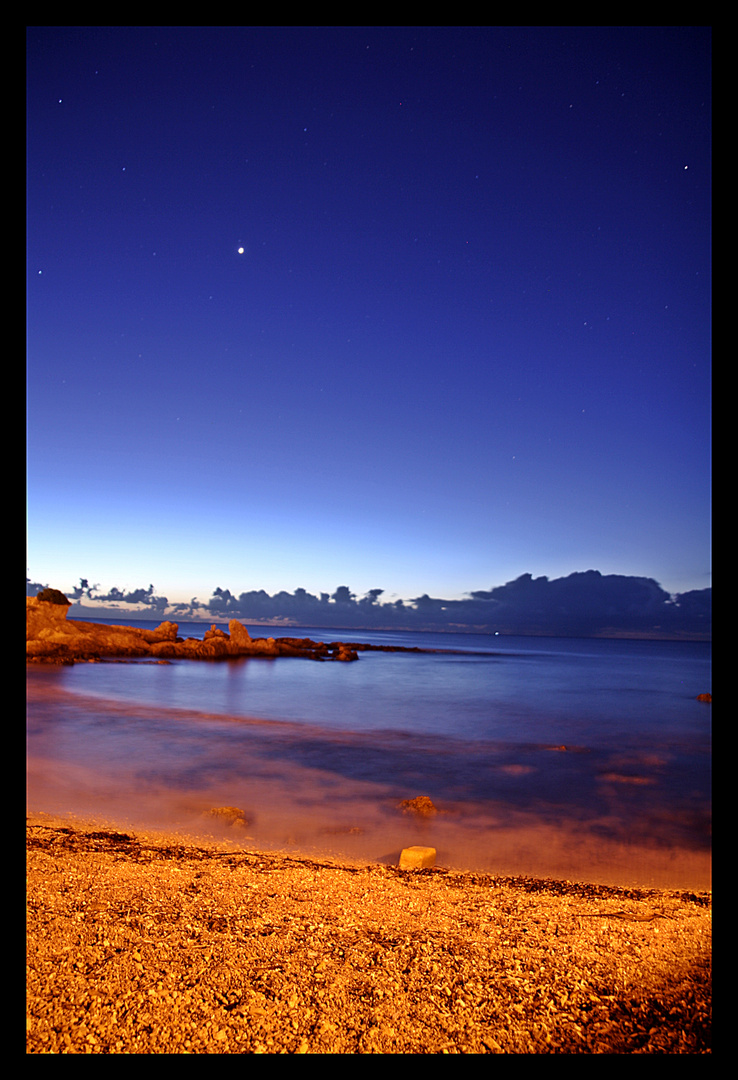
<point>141,943</point>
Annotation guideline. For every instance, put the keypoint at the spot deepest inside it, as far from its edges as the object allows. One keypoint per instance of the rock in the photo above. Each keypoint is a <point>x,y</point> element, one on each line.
<point>53,596</point>
<point>49,652</point>
<point>164,650</point>
<point>42,615</point>
<point>228,815</point>
<point>166,631</point>
<point>417,858</point>
<point>210,648</point>
<point>264,647</point>
<point>420,807</point>
<point>345,653</point>
<point>239,634</point>
<point>52,638</point>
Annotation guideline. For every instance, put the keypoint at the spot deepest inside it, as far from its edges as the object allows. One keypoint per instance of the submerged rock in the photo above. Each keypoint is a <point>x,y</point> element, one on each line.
<point>231,816</point>
<point>422,806</point>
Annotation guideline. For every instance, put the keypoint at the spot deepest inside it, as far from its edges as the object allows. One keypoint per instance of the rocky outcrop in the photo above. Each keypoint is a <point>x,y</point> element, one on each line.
<point>44,617</point>
<point>52,638</point>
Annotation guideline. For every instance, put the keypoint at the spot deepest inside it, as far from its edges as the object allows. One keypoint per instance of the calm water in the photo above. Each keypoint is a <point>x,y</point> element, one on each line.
<point>548,756</point>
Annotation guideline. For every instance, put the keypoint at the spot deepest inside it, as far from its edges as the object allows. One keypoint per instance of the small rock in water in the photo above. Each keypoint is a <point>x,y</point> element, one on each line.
<point>228,815</point>
<point>421,807</point>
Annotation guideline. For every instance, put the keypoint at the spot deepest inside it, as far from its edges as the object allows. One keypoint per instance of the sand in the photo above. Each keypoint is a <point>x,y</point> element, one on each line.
<point>143,942</point>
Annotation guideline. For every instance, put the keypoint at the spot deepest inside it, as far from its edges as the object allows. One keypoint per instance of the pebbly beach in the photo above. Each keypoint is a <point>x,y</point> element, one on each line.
<point>142,940</point>
<point>152,943</point>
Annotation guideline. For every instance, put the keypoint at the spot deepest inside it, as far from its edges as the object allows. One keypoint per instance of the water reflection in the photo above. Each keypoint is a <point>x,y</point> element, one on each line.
<point>597,808</point>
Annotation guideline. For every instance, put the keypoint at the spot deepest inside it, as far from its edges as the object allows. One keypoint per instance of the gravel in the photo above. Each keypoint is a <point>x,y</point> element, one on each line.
<point>150,943</point>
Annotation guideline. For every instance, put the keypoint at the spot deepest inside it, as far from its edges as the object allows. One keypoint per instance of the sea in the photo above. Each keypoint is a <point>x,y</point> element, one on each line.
<point>566,758</point>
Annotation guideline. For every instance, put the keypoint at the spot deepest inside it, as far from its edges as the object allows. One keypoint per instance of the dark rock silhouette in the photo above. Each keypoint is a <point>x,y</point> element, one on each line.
<point>53,596</point>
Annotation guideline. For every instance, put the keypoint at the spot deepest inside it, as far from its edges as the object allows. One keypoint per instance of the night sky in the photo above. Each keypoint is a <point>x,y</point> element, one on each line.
<point>419,309</point>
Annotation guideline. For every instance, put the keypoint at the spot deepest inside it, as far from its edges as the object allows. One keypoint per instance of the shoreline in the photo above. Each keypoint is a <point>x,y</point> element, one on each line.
<point>375,831</point>
<point>179,841</point>
<point>147,942</point>
<point>294,802</point>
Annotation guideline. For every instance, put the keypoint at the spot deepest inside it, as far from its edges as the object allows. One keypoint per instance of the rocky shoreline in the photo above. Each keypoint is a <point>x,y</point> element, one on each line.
<point>52,638</point>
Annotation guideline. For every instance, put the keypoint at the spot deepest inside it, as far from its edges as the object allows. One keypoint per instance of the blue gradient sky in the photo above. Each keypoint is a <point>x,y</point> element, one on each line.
<point>468,336</point>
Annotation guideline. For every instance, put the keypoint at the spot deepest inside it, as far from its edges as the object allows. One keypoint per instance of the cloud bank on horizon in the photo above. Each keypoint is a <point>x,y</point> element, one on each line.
<point>585,604</point>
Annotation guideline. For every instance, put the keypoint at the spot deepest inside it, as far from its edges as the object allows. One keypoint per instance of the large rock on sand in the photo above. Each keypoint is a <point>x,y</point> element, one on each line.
<point>417,858</point>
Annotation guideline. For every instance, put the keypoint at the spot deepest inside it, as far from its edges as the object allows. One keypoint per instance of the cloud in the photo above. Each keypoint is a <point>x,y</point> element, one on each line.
<point>116,596</point>
<point>584,604</point>
<point>580,605</point>
<point>83,589</point>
